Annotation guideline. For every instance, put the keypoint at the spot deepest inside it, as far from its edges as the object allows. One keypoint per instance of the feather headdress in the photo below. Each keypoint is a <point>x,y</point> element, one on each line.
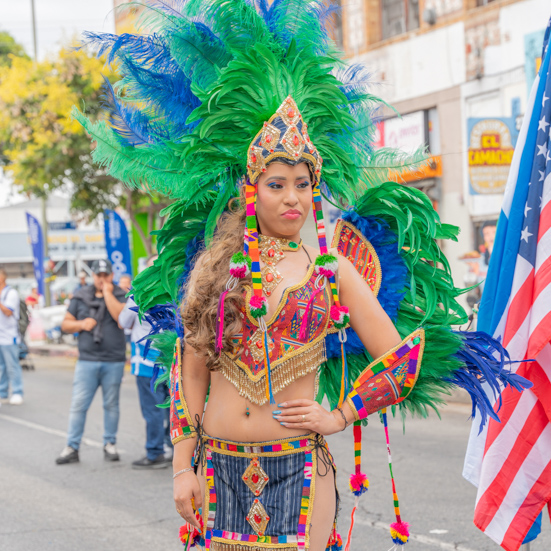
<point>206,77</point>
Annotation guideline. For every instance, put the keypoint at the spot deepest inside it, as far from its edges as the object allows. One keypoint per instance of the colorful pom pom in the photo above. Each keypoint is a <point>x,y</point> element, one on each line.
<point>359,484</point>
<point>326,265</point>
<point>189,535</point>
<point>335,541</point>
<point>340,316</point>
<point>240,265</point>
<point>399,532</point>
<point>258,306</point>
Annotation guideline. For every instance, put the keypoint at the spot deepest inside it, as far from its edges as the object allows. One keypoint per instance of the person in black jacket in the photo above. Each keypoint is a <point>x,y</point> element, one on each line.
<point>93,313</point>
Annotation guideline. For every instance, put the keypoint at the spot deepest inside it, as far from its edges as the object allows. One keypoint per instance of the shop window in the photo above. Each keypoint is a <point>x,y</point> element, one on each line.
<point>399,16</point>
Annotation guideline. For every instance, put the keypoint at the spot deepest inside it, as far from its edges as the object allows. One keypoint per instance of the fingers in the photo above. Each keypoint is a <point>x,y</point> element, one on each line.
<point>185,510</point>
<point>296,403</point>
<point>198,498</point>
<point>293,411</point>
<point>295,419</point>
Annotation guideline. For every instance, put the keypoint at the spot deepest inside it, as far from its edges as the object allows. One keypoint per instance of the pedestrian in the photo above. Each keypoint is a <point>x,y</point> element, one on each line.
<point>125,282</point>
<point>35,299</point>
<point>157,420</point>
<point>81,281</point>
<point>11,373</point>
<point>93,313</point>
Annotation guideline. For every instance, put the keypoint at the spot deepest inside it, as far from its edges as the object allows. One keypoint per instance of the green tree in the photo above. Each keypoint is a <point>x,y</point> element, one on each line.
<point>8,48</point>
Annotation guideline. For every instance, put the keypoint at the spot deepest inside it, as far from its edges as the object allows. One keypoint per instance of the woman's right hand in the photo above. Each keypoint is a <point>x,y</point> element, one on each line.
<point>186,488</point>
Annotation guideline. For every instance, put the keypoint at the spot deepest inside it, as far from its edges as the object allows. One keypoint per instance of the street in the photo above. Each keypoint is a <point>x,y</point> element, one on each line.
<point>97,505</point>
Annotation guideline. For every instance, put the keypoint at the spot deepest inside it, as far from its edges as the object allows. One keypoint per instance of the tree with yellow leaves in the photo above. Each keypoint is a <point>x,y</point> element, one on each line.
<point>43,148</point>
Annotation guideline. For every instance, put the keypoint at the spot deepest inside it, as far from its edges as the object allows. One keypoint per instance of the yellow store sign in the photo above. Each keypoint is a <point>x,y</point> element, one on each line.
<point>490,155</point>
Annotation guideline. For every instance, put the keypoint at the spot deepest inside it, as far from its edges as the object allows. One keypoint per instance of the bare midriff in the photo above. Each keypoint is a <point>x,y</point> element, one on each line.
<point>226,413</point>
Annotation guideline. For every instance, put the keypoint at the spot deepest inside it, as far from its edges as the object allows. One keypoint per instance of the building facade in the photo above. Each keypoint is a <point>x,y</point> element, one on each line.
<point>460,72</point>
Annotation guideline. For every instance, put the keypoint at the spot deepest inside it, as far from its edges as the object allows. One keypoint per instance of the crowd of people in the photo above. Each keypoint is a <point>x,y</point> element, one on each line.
<point>99,314</point>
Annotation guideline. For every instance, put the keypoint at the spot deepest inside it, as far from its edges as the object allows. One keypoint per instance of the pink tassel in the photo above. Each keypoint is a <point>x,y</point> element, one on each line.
<point>219,342</point>
<point>358,483</point>
<point>399,532</point>
<point>307,317</point>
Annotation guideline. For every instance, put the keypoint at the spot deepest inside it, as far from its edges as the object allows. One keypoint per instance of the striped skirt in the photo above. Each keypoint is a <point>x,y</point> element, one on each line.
<point>259,493</point>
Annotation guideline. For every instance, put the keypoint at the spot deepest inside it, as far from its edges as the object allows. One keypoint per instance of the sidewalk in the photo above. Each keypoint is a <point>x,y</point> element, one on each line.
<point>41,348</point>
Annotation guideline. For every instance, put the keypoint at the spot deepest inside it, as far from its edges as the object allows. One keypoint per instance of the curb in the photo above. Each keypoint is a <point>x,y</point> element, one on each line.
<point>54,350</point>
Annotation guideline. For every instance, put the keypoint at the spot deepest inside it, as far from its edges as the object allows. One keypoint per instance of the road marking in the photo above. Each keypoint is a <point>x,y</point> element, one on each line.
<point>48,430</point>
<point>438,531</point>
<point>416,537</point>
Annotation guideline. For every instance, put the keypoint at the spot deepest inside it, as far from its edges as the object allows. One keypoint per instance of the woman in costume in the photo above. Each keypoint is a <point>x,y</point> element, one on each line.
<point>243,113</point>
<point>296,304</point>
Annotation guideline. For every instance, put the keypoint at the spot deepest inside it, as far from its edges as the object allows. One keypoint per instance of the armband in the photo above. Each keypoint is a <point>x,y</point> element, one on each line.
<point>181,425</point>
<point>389,379</point>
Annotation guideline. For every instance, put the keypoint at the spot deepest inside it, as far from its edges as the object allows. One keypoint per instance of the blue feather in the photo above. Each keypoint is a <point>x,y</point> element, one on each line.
<point>356,79</point>
<point>131,126</point>
<point>170,7</point>
<point>484,361</point>
<point>263,8</point>
<point>151,50</point>
<point>153,77</point>
<point>193,248</point>
<point>162,317</point>
<point>287,20</point>
<point>156,371</point>
<point>169,95</point>
<point>394,282</point>
<point>157,81</point>
<point>394,277</point>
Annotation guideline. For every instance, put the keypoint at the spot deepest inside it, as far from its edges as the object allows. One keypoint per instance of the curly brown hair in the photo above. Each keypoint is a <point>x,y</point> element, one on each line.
<point>209,278</point>
<point>208,282</point>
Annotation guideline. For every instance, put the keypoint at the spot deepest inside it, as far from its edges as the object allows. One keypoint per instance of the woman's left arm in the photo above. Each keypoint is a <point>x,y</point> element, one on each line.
<point>377,333</point>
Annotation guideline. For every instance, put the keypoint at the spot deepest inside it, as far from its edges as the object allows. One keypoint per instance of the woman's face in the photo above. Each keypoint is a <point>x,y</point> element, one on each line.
<point>284,196</point>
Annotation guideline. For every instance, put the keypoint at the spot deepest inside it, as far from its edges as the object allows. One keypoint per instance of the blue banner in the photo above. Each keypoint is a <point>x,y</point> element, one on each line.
<point>37,244</point>
<point>117,244</point>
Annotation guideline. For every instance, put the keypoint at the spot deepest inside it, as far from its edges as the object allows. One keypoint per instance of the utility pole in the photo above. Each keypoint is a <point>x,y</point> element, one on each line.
<point>35,47</point>
<point>44,199</point>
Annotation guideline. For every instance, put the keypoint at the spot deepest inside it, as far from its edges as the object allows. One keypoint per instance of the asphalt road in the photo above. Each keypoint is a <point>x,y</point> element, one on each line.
<point>95,505</point>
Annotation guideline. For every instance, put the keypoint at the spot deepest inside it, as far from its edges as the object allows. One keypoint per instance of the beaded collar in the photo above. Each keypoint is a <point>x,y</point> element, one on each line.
<point>272,250</point>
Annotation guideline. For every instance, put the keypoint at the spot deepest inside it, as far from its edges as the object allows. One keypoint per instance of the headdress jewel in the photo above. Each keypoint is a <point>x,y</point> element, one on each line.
<point>284,135</point>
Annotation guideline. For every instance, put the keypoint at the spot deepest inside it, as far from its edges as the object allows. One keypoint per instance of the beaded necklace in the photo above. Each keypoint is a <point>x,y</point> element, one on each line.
<point>272,251</point>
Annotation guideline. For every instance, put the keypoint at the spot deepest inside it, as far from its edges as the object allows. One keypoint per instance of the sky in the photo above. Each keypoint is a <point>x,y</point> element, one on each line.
<point>57,21</point>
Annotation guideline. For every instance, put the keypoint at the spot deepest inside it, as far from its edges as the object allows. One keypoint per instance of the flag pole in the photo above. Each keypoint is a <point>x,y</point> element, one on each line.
<point>526,547</point>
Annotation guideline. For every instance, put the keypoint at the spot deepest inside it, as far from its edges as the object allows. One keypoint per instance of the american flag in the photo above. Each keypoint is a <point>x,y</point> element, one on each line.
<point>510,462</point>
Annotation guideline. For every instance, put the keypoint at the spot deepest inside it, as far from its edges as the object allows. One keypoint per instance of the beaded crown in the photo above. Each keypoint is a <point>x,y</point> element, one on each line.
<point>284,135</point>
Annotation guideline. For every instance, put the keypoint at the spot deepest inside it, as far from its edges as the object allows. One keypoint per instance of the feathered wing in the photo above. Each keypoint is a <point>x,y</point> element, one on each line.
<point>194,89</point>
<point>200,82</point>
<point>417,289</point>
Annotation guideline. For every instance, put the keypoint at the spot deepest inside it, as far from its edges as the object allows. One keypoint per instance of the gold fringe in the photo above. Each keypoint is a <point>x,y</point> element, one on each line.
<point>283,374</point>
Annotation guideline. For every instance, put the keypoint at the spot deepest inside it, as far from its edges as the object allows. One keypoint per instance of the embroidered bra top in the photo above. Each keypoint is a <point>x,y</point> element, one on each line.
<point>290,356</point>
